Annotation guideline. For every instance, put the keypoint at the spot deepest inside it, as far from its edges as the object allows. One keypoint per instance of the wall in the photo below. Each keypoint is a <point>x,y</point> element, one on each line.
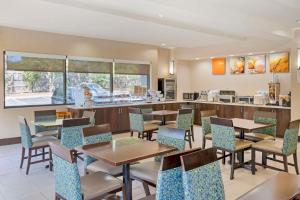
<point>295,83</point>
<point>41,42</point>
<point>183,75</point>
<point>244,84</point>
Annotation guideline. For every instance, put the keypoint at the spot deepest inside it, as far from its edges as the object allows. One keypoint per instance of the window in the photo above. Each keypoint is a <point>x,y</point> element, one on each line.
<point>94,74</point>
<point>131,79</point>
<point>32,79</point>
<point>42,79</point>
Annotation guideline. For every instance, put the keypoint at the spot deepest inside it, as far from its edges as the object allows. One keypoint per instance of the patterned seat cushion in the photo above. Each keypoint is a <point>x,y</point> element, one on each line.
<point>242,144</point>
<point>43,141</point>
<point>98,184</point>
<point>269,145</point>
<point>150,127</point>
<point>147,171</point>
<point>100,166</point>
<point>258,137</point>
<point>157,122</point>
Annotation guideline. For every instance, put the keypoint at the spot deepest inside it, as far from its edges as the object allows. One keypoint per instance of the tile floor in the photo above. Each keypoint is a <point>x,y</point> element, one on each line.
<point>39,184</point>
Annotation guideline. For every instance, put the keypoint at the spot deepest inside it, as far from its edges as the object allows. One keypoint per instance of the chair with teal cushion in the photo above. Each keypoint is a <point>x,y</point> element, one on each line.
<point>33,144</point>
<point>268,133</point>
<point>44,116</point>
<point>68,183</point>
<point>93,135</point>
<point>71,133</point>
<point>136,120</point>
<point>283,148</point>
<point>148,118</point>
<point>193,107</point>
<point>206,126</point>
<point>147,171</point>
<point>169,180</point>
<point>223,138</point>
<point>201,176</point>
<point>184,121</point>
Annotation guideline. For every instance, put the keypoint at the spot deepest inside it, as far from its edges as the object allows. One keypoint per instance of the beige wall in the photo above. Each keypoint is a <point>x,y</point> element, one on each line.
<point>295,83</point>
<point>244,84</point>
<point>41,42</point>
<point>183,75</point>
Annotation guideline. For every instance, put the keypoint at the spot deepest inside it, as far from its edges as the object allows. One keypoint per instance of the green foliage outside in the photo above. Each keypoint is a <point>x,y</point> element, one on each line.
<point>31,78</point>
<point>101,79</point>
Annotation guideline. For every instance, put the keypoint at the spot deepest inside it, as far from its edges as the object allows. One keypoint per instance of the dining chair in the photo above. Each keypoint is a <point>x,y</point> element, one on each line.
<point>146,172</point>
<point>137,124</point>
<point>283,148</point>
<point>223,138</point>
<point>201,176</point>
<point>206,126</point>
<point>193,107</point>
<point>184,121</point>
<point>90,115</point>
<point>149,119</point>
<point>93,135</point>
<point>68,183</point>
<point>31,144</point>
<point>268,133</point>
<point>71,133</point>
<point>42,116</point>
<point>169,179</point>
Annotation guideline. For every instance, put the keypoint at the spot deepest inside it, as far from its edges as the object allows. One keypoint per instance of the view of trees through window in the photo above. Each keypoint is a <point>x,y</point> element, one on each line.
<point>38,79</point>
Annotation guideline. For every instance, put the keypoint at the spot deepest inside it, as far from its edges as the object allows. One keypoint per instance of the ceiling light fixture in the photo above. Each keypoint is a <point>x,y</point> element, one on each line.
<point>250,54</point>
<point>163,44</point>
<point>231,55</point>
<point>197,58</point>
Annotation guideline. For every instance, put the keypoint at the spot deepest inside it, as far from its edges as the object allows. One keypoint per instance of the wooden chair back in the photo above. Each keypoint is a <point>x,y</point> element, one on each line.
<point>96,130</point>
<point>75,122</point>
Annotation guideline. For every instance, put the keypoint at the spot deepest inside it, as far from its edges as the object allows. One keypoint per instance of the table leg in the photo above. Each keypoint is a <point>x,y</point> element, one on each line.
<point>127,182</point>
<point>241,154</point>
<point>163,120</point>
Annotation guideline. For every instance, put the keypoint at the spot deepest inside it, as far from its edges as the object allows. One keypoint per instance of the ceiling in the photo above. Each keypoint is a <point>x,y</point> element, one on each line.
<point>175,23</point>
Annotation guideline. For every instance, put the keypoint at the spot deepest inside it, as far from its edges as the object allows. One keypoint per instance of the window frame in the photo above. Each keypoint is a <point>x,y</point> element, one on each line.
<point>36,105</point>
<point>65,75</point>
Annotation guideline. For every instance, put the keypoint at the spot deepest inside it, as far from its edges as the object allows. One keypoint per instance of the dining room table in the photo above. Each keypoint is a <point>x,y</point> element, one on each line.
<point>49,123</point>
<point>163,114</point>
<point>244,126</point>
<point>123,152</point>
<point>282,186</point>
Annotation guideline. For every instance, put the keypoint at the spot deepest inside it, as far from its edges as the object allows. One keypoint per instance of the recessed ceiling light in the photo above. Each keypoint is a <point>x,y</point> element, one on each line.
<point>163,44</point>
<point>160,15</point>
<point>197,58</point>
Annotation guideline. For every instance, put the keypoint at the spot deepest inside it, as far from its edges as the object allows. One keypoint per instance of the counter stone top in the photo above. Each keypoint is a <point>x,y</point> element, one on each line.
<point>178,101</point>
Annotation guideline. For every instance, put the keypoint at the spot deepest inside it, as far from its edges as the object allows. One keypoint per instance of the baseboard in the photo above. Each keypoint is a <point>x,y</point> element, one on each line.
<point>8,141</point>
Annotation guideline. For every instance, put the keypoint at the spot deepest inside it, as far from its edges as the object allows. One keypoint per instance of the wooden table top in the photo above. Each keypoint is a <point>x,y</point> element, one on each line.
<point>248,125</point>
<point>282,186</point>
<point>164,112</point>
<point>54,123</point>
<point>125,150</point>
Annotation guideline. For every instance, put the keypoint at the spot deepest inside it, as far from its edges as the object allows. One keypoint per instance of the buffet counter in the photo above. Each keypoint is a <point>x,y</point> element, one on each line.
<point>118,118</point>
